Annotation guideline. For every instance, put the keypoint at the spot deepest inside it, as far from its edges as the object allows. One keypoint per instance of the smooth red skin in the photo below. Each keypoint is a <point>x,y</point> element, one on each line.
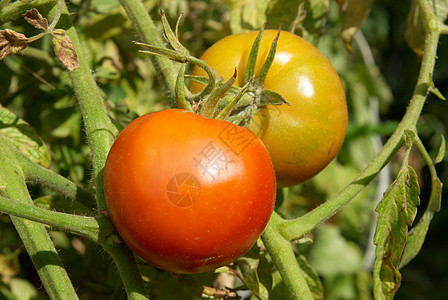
<point>302,138</point>
<point>222,225</point>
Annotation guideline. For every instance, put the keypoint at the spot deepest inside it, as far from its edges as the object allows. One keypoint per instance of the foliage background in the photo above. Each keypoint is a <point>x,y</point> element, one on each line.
<point>35,86</point>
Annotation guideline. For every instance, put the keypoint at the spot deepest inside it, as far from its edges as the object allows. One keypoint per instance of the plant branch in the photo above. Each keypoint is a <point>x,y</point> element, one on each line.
<point>34,236</point>
<point>99,130</point>
<point>284,259</point>
<point>16,9</point>
<point>124,259</point>
<point>100,134</point>
<point>52,25</point>
<point>443,29</point>
<point>149,34</point>
<point>38,174</point>
<point>295,229</point>
<point>95,229</point>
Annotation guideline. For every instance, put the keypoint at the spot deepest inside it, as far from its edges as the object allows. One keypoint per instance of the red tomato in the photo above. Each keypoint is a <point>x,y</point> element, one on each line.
<point>304,137</point>
<point>186,193</point>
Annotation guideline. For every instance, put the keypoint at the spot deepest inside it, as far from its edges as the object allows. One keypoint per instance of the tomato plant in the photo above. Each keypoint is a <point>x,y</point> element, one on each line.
<point>186,193</point>
<point>172,164</point>
<point>301,138</point>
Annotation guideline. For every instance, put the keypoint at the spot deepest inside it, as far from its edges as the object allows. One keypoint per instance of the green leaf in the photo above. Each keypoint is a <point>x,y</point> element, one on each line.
<point>246,15</point>
<point>283,13</point>
<point>23,289</point>
<point>269,97</point>
<point>442,151</point>
<point>396,212</point>
<point>23,137</point>
<point>418,233</point>
<point>332,255</point>
<point>354,16</point>
<point>415,31</point>
<point>256,272</point>
<point>305,18</point>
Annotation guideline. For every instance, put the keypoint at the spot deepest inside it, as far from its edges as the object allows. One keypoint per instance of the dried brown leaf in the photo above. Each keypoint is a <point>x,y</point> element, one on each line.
<point>64,49</point>
<point>11,42</point>
<point>33,17</point>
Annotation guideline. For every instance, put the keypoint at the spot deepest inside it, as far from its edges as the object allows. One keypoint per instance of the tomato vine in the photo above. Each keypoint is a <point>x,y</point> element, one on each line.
<point>16,170</point>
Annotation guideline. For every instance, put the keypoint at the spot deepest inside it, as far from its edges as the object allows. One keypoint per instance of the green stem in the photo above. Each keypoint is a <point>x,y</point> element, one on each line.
<point>124,259</point>
<point>100,134</point>
<point>38,174</point>
<point>295,229</point>
<point>95,229</point>
<point>211,78</point>
<point>17,8</point>
<point>99,130</point>
<point>149,34</point>
<point>181,99</point>
<point>434,204</point>
<point>208,107</point>
<point>284,259</point>
<point>52,25</point>
<point>34,236</point>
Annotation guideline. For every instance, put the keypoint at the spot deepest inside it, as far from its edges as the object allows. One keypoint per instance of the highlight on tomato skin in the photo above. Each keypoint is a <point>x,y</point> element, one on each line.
<point>306,136</point>
<point>186,193</point>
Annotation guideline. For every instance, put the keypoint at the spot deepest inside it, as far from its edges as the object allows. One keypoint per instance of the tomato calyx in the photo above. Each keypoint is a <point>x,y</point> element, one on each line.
<point>219,99</point>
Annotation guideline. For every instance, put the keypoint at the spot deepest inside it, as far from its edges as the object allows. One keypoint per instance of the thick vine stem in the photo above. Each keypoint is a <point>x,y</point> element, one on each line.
<point>100,134</point>
<point>34,236</point>
<point>284,259</point>
<point>35,173</point>
<point>149,33</point>
<point>295,229</point>
<point>99,130</point>
<point>95,229</point>
<point>124,259</point>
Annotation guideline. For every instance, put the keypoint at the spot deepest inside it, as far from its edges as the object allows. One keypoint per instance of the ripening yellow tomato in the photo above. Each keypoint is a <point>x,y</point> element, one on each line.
<point>301,138</point>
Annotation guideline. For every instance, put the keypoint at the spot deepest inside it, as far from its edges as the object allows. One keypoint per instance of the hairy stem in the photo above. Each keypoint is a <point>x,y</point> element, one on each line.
<point>88,227</point>
<point>17,8</point>
<point>38,174</point>
<point>149,34</point>
<point>99,130</point>
<point>34,236</point>
<point>127,267</point>
<point>284,259</point>
<point>100,134</point>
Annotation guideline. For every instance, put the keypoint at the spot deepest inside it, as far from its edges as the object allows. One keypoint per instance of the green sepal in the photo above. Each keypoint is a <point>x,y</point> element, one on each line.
<point>269,97</point>
<point>171,37</point>
<point>207,109</point>
<point>261,76</point>
<point>250,67</point>
<point>164,52</point>
<point>181,99</point>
